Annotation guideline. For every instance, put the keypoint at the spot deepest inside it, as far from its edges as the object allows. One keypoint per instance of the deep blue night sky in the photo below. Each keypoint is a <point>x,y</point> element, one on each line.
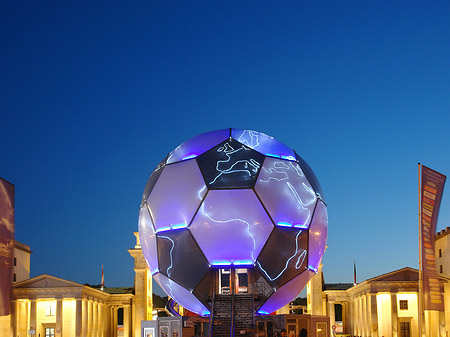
<point>93,96</point>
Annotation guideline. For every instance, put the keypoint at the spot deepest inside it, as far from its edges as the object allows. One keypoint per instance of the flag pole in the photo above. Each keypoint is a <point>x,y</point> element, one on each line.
<point>420,304</point>
<point>103,280</point>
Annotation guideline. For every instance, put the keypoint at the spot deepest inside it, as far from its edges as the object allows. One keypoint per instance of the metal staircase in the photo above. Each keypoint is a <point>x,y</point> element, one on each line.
<point>244,319</point>
<point>232,315</point>
<point>221,316</point>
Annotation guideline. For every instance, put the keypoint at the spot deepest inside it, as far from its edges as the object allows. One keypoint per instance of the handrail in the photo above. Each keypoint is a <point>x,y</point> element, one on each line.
<point>211,317</point>
<point>253,313</point>
<point>232,316</point>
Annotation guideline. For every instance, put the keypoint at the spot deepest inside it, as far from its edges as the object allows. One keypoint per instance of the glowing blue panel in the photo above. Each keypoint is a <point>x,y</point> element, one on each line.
<point>231,225</point>
<point>286,193</point>
<point>286,293</point>
<point>176,196</point>
<point>147,238</point>
<point>263,143</point>
<point>198,145</point>
<point>311,176</point>
<point>318,235</point>
<point>181,295</point>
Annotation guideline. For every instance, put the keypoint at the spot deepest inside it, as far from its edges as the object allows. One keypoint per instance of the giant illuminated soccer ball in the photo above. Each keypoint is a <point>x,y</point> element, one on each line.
<point>233,199</point>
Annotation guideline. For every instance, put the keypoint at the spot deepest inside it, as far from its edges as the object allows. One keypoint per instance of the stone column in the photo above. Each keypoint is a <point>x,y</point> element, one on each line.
<point>442,332</point>
<point>352,317</point>
<point>21,319</point>
<point>90,319</point>
<point>33,316</point>
<point>126,321</point>
<point>315,304</point>
<point>85,318</point>
<point>14,317</point>
<point>394,315</point>
<point>345,315</point>
<point>101,326</point>
<point>142,286</point>
<point>331,314</point>
<point>106,321</point>
<point>359,316</point>
<point>59,318</point>
<point>133,320</point>
<point>364,324</point>
<point>115,320</point>
<point>95,319</point>
<point>373,315</point>
<point>368,320</point>
<point>366,328</point>
<point>111,321</point>
<point>79,317</point>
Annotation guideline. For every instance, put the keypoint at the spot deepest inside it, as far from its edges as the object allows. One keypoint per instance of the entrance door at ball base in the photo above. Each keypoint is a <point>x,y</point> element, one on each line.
<point>233,281</point>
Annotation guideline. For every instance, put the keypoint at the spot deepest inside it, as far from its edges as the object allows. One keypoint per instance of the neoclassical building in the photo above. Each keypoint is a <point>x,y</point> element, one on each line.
<point>48,306</point>
<point>385,305</point>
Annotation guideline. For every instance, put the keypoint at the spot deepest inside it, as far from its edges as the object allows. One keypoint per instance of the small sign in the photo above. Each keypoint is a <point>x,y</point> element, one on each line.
<point>31,332</point>
<point>333,327</point>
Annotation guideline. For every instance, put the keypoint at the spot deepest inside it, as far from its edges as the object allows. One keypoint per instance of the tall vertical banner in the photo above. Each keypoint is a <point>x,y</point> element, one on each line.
<point>432,188</point>
<point>6,244</point>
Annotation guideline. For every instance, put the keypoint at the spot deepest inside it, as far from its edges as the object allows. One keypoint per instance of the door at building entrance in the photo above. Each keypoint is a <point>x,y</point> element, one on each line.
<point>233,281</point>
<point>404,329</point>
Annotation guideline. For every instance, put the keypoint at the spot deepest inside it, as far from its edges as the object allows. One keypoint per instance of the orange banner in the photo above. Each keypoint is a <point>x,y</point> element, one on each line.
<point>431,194</point>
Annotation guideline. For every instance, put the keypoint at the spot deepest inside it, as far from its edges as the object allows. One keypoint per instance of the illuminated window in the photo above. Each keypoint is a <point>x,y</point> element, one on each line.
<point>403,304</point>
<point>49,332</point>
<point>50,311</point>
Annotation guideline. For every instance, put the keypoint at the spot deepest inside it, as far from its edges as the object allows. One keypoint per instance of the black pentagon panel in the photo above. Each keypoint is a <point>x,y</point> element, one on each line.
<point>230,165</point>
<point>261,289</point>
<point>152,180</point>
<point>284,256</point>
<point>180,258</point>
<point>205,288</point>
<point>309,173</point>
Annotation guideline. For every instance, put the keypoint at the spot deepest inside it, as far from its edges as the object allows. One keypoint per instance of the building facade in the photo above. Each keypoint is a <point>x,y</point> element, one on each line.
<point>48,306</point>
<point>385,305</point>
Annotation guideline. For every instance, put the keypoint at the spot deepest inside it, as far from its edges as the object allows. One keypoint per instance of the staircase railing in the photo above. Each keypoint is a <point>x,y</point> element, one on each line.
<point>232,316</point>
<point>211,317</point>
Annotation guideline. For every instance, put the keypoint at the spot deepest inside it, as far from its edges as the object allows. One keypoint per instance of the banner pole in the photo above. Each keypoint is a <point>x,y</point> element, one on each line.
<point>420,304</point>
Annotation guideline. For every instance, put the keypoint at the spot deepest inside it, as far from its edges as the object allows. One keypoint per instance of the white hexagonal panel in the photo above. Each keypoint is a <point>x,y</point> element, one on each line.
<point>286,193</point>
<point>231,227</point>
<point>147,238</point>
<point>286,293</point>
<point>318,233</point>
<point>176,196</point>
<point>181,295</point>
<point>263,143</point>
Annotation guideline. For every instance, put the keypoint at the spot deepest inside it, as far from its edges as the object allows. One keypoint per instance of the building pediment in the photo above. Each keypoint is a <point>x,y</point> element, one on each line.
<point>46,281</point>
<point>404,274</point>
